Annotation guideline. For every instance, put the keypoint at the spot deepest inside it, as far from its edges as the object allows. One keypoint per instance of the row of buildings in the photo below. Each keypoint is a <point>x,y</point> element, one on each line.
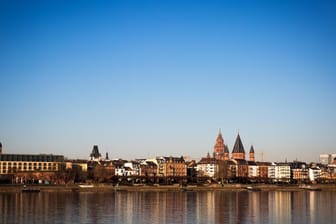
<point>220,167</point>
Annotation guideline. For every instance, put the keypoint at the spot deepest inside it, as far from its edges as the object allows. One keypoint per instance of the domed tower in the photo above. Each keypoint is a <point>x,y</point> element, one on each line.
<point>252,158</point>
<point>219,147</point>
<point>238,151</point>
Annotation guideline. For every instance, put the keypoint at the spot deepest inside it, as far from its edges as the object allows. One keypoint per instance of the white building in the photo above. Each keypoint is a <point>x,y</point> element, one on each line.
<point>119,167</point>
<point>253,169</point>
<point>279,172</point>
<point>132,169</point>
<point>207,167</point>
<point>314,174</point>
<point>271,171</point>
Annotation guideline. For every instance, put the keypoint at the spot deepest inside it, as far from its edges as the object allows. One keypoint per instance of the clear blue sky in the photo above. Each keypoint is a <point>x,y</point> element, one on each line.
<point>147,78</point>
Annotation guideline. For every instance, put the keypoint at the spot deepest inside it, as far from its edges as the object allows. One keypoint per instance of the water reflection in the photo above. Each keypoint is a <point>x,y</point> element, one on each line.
<point>168,207</point>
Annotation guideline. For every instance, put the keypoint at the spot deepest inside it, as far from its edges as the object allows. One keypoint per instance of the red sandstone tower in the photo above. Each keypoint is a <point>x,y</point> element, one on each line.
<point>219,147</point>
<point>221,151</point>
<point>238,151</point>
<point>252,158</point>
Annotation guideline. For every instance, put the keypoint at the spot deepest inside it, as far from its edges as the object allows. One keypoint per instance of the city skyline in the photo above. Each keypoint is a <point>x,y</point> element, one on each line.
<point>145,78</point>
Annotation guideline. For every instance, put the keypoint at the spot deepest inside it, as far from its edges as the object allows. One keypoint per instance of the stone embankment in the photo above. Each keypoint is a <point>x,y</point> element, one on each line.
<point>215,187</point>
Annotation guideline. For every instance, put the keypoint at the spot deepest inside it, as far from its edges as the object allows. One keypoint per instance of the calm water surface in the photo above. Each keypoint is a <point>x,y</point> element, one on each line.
<point>168,207</point>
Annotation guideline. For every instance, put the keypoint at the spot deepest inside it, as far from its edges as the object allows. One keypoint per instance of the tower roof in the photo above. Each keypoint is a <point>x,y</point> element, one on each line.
<point>226,148</point>
<point>251,149</point>
<point>238,146</point>
<point>95,152</point>
<point>219,145</point>
<point>219,136</point>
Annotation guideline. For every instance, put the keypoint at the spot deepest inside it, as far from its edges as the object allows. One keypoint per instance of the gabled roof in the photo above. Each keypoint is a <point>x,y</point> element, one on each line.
<point>238,146</point>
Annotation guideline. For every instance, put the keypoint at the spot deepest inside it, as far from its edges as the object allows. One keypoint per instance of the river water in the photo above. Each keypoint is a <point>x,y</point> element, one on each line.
<point>169,207</point>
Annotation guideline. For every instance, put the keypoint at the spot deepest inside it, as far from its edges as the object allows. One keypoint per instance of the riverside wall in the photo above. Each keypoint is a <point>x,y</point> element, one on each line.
<point>213,187</point>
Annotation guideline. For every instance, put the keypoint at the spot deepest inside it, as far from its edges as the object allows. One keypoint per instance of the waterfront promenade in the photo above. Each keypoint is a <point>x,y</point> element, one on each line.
<point>176,187</point>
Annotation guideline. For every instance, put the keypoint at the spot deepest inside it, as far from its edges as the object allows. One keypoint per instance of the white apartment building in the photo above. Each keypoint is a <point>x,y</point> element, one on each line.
<point>314,173</point>
<point>207,167</point>
<point>279,172</point>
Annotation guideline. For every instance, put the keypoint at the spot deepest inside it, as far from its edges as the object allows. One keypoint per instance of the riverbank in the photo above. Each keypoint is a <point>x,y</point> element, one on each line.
<point>214,187</point>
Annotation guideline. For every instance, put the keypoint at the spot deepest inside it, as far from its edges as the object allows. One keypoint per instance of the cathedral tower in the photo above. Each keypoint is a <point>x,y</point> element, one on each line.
<point>252,158</point>
<point>219,148</point>
<point>95,155</point>
<point>238,151</point>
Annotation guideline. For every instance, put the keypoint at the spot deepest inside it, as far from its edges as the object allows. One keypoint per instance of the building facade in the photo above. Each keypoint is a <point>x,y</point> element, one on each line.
<point>15,163</point>
<point>171,166</point>
<point>207,166</point>
<point>263,170</point>
<point>279,172</point>
<point>253,170</point>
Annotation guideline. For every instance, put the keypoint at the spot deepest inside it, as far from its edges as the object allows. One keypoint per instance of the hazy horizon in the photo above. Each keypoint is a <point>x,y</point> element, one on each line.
<point>150,78</point>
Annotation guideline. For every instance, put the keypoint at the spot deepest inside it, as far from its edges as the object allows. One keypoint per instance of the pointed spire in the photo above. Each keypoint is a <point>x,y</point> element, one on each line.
<point>95,153</point>
<point>251,149</point>
<point>238,146</point>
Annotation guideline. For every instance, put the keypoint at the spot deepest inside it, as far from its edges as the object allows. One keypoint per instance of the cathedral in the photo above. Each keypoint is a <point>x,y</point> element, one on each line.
<point>221,151</point>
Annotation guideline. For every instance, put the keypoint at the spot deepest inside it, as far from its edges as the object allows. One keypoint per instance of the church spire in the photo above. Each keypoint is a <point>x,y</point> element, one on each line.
<point>238,146</point>
<point>251,154</point>
<point>238,151</point>
<point>251,149</point>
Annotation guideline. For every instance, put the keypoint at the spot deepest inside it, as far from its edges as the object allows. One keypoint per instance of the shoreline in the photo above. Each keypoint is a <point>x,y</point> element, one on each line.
<point>166,188</point>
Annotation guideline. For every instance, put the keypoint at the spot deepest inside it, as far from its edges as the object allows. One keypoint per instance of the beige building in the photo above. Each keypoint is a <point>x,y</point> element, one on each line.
<point>15,163</point>
<point>171,166</point>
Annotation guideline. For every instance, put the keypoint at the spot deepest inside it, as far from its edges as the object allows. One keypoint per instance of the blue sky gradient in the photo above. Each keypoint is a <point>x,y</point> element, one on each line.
<point>147,78</point>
